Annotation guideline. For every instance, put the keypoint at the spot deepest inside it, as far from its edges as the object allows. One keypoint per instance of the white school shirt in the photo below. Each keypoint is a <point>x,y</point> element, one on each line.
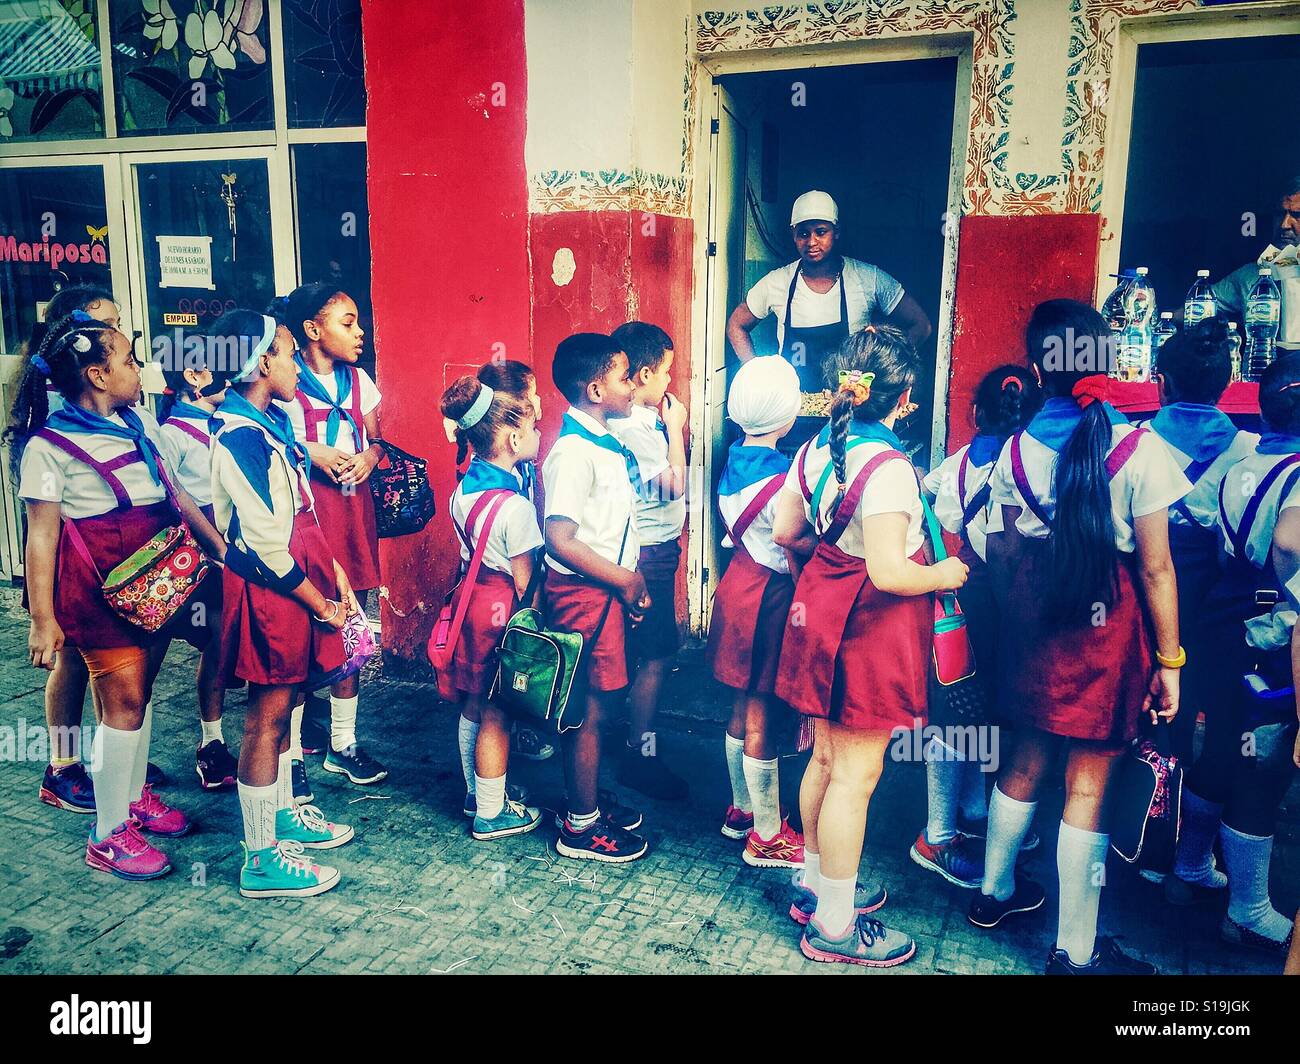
<point>658,518</point>
<point>49,474</point>
<point>892,489</point>
<point>1202,502</point>
<point>1273,630</point>
<point>950,504</point>
<point>869,293</point>
<point>369,401</point>
<point>1149,481</point>
<point>193,459</point>
<point>758,536</point>
<point>589,485</point>
<point>514,532</point>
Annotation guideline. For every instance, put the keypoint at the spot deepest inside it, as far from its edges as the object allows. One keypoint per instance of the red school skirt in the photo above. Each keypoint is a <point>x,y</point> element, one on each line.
<point>79,604</point>
<point>348,521</point>
<point>748,624</point>
<point>269,638</point>
<point>492,602</point>
<point>1082,681</point>
<point>575,605</point>
<point>852,653</point>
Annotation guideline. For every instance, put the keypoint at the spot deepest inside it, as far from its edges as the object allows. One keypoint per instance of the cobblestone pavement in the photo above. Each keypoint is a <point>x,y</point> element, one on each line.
<point>419,895</point>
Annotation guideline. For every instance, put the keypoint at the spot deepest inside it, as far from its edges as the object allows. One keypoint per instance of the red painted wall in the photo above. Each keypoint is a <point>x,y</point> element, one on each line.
<point>449,244</point>
<point>1005,267</point>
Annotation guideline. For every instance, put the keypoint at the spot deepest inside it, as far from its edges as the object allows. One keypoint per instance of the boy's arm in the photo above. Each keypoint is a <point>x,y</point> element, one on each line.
<point>563,543</point>
<point>671,483</point>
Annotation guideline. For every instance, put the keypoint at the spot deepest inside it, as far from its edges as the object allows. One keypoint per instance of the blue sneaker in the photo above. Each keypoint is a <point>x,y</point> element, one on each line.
<point>281,871</point>
<point>70,788</point>
<point>514,793</point>
<point>867,942</point>
<point>866,899</point>
<point>307,824</point>
<point>514,819</point>
<point>960,860</point>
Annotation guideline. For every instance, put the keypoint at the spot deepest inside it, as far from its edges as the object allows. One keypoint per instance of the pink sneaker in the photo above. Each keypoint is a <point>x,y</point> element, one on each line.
<point>784,850</point>
<point>737,823</point>
<point>126,854</point>
<point>157,817</point>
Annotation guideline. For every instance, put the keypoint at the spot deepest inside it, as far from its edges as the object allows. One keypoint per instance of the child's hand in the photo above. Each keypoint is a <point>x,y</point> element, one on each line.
<point>44,641</point>
<point>951,574</point>
<point>329,460</point>
<point>1162,695</point>
<point>634,596</point>
<point>674,414</point>
<point>346,594</point>
<point>357,469</point>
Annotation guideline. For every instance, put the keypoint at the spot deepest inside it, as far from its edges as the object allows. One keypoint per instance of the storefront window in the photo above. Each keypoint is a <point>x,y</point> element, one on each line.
<point>53,232</point>
<point>323,63</point>
<point>50,80</point>
<point>182,66</point>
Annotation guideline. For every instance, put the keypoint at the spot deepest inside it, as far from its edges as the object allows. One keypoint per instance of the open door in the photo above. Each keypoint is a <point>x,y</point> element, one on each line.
<point>726,231</point>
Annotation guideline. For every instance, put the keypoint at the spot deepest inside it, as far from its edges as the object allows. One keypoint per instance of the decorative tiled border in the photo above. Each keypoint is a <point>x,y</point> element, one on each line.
<point>609,190</point>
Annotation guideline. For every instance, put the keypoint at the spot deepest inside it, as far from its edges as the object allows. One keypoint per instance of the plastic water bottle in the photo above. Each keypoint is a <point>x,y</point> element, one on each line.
<point>1234,349</point>
<point>1200,303</point>
<point>1113,309</point>
<point>1136,341</point>
<point>1263,319</point>
<point>1166,328</point>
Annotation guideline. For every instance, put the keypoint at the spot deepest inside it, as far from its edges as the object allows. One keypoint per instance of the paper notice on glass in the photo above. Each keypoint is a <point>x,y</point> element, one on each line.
<point>185,262</point>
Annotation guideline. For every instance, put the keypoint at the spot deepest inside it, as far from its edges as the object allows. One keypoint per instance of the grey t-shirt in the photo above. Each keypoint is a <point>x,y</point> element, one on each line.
<point>1233,291</point>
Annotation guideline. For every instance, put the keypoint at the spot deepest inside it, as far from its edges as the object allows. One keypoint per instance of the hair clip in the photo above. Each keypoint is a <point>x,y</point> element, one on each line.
<point>1013,382</point>
<point>857,383</point>
<point>41,366</point>
<point>81,343</point>
<point>871,329</point>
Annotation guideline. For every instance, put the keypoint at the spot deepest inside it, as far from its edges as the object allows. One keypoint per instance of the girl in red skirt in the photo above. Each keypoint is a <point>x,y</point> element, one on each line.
<point>751,605</point>
<point>951,844</point>
<point>490,511</point>
<point>1078,521</point>
<point>335,411</point>
<point>285,601</point>
<point>97,489</point>
<point>856,654</point>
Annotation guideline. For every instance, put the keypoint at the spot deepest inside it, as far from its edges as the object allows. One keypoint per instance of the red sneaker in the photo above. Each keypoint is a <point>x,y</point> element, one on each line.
<point>126,854</point>
<point>784,850</point>
<point>737,823</point>
<point>157,817</point>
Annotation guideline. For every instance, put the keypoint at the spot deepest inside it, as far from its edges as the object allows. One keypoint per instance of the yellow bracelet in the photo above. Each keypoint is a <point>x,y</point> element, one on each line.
<point>1176,662</point>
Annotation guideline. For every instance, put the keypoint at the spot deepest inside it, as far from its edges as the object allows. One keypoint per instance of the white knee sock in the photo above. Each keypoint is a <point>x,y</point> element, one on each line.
<point>739,791</point>
<point>343,722</point>
<point>943,775</point>
<point>1081,870</point>
<point>491,796</point>
<point>835,905</point>
<point>211,730</point>
<point>295,732</point>
<point>140,767</point>
<point>764,786</point>
<point>973,801</point>
<point>113,754</point>
<point>284,782</point>
<point>811,877</point>
<point>467,737</point>
<point>1195,862</point>
<point>1009,822</point>
<point>259,804</point>
<point>1247,858</point>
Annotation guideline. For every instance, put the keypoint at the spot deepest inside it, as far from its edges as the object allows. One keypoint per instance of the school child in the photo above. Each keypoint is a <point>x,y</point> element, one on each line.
<point>750,608</point>
<point>1247,757</point>
<point>513,378</point>
<point>856,652</point>
<point>489,504</point>
<point>592,585</point>
<point>951,843</point>
<point>194,394</point>
<point>285,600</point>
<point>654,432</point>
<point>335,412</point>
<point>96,487</point>
<point>1078,523</point>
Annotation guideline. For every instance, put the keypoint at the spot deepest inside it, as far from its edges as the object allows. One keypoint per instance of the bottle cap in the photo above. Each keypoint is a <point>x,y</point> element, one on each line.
<point>1142,271</point>
<point>1266,271</point>
<point>1167,314</point>
<point>1202,273</point>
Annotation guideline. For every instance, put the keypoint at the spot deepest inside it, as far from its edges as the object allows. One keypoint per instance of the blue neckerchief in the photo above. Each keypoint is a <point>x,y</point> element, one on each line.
<point>74,418</point>
<point>985,448</point>
<point>484,476</point>
<point>1055,423</point>
<point>273,420</point>
<point>746,466</point>
<point>1200,431</point>
<point>189,411</point>
<point>1278,443</point>
<point>569,426</point>
<point>343,386</point>
<point>527,475</point>
<point>873,431</point>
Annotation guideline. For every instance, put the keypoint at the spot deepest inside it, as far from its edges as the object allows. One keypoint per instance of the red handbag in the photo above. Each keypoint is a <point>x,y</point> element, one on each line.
<point>954,657</point>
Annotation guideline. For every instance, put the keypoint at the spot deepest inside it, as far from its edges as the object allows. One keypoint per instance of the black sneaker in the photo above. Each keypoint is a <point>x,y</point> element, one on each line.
<point>601,841</point>
<point>356,764</point>
<point>987,911</point>
<point>650,776</point>
<point>1236,934</point>
<point>302,792</point>
<point>154,776</point>
<point>612,811</point>
<point>215,766</point>
<point>530,744</point>
<point>1107,959</point>
<point>315,735</point>
<point>514,793</point>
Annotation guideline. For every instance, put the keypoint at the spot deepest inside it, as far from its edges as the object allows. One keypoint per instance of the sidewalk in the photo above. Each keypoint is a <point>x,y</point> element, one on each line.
<point>419,895</point>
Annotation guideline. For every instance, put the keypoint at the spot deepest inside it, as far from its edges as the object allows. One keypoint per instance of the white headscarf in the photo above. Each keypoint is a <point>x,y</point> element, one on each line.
<point>764,395</point>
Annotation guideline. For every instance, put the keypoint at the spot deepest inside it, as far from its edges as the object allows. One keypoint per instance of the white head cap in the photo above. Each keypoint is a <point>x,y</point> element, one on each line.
<point>764,395</point>
<point>814,206</point>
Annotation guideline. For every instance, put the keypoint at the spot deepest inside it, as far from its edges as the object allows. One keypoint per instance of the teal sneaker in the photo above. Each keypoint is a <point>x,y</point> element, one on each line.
<point>514,819</point>
<point>307,824</point>
<point>866,899</point>
<point>867,942</point>
<point>281,871</point>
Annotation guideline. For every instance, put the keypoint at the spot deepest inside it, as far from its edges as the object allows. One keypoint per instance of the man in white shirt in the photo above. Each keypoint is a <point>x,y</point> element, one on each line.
<point>1233,292</point>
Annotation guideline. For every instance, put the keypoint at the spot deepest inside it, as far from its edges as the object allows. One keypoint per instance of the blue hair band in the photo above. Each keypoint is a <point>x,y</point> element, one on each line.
<point>41,366</point>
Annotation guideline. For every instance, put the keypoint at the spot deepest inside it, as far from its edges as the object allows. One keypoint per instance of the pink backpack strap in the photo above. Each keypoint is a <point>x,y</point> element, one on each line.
<point>1122,452</point>
<point>849,504</point>
<point>481,503</point>
<point>761,498</point>
<point>190,430</point>
<point>106,470</point>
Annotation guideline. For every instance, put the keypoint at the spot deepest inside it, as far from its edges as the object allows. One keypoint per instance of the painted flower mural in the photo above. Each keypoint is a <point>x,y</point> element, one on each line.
<point>160,24</point>
<point>205,36</point>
